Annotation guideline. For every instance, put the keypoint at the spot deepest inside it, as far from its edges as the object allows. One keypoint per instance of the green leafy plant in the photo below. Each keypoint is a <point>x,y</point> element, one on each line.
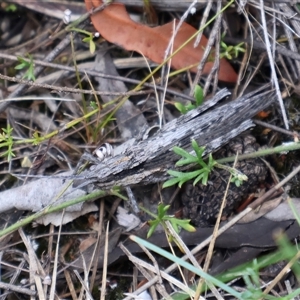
<point>199,97</point>
<point>6,140</point>
<point>237,177</point>
<point>37,139</point>
<point>162,217</point>
<point>11,8</point>
<point>93,105</point>
<point>88,39</point>
<point>187,158</point>
<point>231,51</point>
<point>203,172</point>
<point>29,65</point>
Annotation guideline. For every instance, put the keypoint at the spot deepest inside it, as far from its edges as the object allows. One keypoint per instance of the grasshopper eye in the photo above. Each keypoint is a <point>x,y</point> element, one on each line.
<point>104,151</point>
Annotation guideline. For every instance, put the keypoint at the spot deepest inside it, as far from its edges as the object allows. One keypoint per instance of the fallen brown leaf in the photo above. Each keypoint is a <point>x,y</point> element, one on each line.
<point>116,26</point>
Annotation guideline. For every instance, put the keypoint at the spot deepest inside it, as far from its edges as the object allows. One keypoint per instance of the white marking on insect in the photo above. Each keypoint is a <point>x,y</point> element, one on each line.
<point>104,151</point>
<point>67,16</point>
<point>193,10</point>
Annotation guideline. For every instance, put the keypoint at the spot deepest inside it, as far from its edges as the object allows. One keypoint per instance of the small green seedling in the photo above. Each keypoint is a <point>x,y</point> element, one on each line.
<point>203,172</point>
<point>187,158</point>
<point>29,65</point>
<point>162,217</point>
<point>88,39</point>
<point>198,95</point>
<point>237,177</point>
<point>6,140</point>
<point>37,139</point>
<point>93,105</point>
<point>230,52</point>
<point>11,8</point>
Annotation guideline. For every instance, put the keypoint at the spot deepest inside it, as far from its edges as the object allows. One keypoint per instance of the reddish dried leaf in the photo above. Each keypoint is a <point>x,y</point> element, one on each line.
<point>115,25</point>
<point>263,114</point>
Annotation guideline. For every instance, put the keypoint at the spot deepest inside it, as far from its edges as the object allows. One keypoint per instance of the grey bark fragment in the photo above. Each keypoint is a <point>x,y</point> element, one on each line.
<point>147,161</point>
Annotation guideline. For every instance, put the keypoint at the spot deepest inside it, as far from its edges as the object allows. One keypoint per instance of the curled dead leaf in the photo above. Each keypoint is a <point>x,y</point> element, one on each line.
<point>116,26</point>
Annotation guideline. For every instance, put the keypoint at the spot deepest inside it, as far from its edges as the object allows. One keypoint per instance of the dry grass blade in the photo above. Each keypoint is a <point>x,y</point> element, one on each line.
<point>54,272</point>
<point>272,65</point>
<point>208,49</point>
<point>17,289</point>
<point>141,267</point>
<point>96,254</point>
<point>49,253</point>
<point>165,275</point>
<point>104,274</point>
<point>68,90</point>
<point>88,295</point>
<point>35,269</point>
<point>214,235</point>
<point>193,260</point>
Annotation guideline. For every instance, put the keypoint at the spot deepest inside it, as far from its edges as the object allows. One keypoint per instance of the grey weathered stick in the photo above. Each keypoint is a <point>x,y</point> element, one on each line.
<point>147,161</point>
